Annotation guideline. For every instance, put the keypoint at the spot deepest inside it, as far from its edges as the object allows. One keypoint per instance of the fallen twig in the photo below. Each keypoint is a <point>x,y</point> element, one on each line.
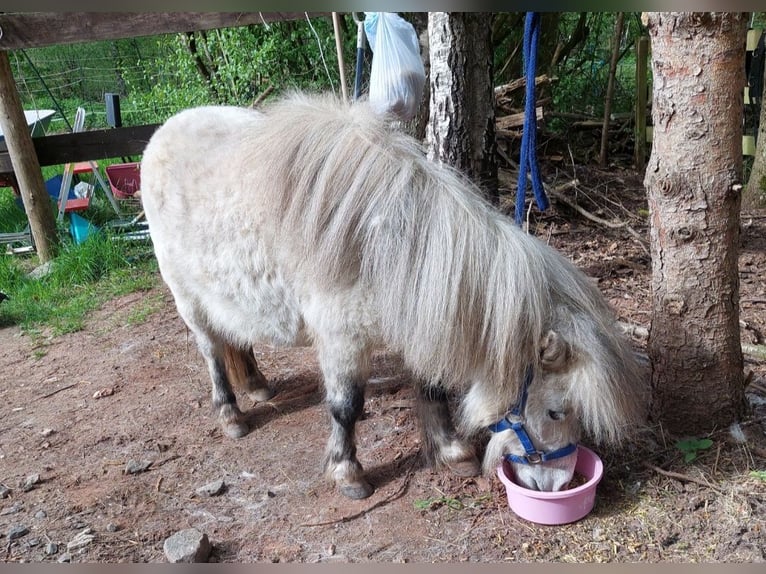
<point>165,460</point>
<point>57,391</point>
<point>390,498</point>
<point>681,477</point>
<point>556,193</point>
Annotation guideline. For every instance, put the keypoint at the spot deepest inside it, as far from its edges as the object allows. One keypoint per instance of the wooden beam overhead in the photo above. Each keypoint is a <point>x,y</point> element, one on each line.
<point>85,146</point>
<point>36,29</point>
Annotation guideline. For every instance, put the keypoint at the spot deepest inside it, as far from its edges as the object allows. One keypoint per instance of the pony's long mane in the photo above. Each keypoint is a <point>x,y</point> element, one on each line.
<point>460,290</point>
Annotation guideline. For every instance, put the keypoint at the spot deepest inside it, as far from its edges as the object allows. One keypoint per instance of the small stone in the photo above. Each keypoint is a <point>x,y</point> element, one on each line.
<point>33,541</point>
<point>17,531</point>
<point>18,506</point>
<point>5,492</point>
<point>41,271</point>
<point>112,527</point>
<point>51,548</point>
<point>213,488</point>
<point>47,432</point>
<point>30,481</point>
<point>40,514</point>
<point>135,467</point>
<point>105,392</point>
<point>187,546</point>
<point>65,557</point>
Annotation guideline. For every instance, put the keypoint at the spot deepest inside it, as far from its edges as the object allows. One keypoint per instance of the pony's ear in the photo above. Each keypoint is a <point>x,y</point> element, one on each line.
<point>555,352</point>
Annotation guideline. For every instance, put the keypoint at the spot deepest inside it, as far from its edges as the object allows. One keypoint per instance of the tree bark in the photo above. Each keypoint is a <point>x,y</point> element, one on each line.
<point>755,192</point>
<point>693,179</point>
<point>461,128</point>
<point>37,203</point>
<point>618,24</point>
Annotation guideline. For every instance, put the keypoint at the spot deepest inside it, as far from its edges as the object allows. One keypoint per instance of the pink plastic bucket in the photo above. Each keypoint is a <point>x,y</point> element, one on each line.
<point>559,507</point>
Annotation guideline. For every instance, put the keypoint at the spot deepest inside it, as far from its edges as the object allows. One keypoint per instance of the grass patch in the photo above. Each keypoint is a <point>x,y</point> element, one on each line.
<point>144,309</point>
<point>82,278</point>
<point>12,216</point>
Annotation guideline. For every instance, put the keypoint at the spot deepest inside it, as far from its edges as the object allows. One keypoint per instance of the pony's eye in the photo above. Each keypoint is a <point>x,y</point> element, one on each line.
<point>556,415</point>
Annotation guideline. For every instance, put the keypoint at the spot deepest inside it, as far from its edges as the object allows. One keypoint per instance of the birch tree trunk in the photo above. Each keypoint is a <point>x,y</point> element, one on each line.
<point>461,127</point>
<point>693,181</point>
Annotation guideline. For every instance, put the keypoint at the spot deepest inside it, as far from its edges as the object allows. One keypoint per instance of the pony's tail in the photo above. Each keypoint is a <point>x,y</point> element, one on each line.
<point>243,373</point>
<point>235,362</point>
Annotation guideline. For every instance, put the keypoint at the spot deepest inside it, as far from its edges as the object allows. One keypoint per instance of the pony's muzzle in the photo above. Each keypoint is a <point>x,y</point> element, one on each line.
<point>549,476</point>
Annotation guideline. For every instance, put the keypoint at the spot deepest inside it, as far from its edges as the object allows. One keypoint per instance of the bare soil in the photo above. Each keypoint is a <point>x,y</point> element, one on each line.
<point>77,409</point>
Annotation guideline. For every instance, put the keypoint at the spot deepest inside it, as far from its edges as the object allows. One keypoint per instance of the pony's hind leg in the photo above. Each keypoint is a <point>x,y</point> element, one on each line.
<point>345,378</point>
<point>440,443</point>
<point>243,372</point>
<point>224,400</point>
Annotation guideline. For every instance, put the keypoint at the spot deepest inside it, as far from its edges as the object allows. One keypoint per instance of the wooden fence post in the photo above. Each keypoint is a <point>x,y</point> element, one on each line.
<point>37,203</point>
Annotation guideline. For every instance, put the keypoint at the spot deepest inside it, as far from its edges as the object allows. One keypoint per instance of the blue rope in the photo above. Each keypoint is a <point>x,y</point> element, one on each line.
<point>528,156</point>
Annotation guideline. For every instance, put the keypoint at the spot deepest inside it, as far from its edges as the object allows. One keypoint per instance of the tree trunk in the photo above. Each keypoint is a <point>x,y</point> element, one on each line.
<point>692,179</point>
<point>461,128</point>
<point>417,126</point>
<point>37,202</point>
<point>755,192</point>
<point>618,24</point>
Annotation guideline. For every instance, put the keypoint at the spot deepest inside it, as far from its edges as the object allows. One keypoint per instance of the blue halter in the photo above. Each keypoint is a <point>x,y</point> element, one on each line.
<point>532,456</point>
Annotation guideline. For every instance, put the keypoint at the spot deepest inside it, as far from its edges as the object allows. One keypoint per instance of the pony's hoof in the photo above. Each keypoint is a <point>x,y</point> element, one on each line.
<point>261,395</point>
<point>232,421</point>
<point>358,490</point>
<point>469,467</point>
<point>235,430</point>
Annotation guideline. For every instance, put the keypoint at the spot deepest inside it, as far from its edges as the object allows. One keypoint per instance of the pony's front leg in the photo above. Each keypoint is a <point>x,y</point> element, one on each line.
<point>440,443</point>
<point>345,380</point>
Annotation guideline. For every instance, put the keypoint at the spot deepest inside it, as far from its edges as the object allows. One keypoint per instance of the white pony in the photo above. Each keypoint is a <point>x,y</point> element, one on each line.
<point>316,221</point>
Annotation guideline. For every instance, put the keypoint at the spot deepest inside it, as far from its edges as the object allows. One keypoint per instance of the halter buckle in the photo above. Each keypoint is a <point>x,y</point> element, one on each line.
<point>534,457</point>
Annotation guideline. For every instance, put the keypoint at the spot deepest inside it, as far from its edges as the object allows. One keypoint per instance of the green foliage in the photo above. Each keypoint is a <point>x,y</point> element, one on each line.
<point>759,474</point>
<point>157,76</point>
<point>582,77</point>
<point>691,447</point>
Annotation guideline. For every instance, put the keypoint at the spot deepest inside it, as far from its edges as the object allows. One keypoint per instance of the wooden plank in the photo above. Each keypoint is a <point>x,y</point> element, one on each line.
<point>85,146</point>
<point>36,29</point>
<point>516,120</point>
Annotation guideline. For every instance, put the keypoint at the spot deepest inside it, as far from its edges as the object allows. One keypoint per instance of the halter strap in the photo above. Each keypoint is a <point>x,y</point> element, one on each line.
<point>532,456</point>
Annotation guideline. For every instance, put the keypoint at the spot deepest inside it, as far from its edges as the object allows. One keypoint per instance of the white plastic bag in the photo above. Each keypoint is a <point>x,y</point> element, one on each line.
<point>83,189</point>
<point>397,76</point>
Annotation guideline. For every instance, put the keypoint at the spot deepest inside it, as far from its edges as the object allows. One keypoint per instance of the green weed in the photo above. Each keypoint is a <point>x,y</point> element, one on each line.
<point>450,502</point>
<point>691,447</point>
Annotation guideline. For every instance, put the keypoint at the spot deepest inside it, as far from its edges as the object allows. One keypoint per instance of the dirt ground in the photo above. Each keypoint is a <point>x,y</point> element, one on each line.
<point>77,409</point>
